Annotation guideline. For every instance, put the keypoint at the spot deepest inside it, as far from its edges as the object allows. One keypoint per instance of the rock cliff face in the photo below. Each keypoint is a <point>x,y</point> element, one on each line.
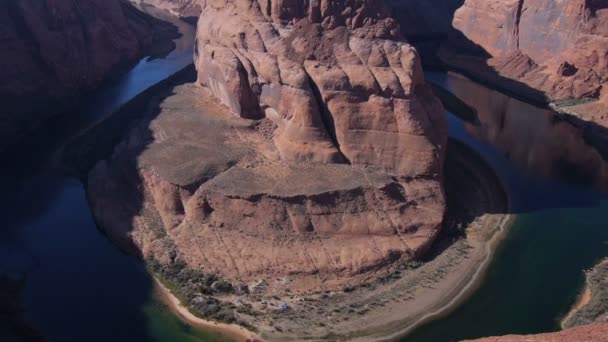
<point>544,50</point>
<point>54,50</point>
<point>536,140</point>
<point>318,164</point>
<point>558,47</point>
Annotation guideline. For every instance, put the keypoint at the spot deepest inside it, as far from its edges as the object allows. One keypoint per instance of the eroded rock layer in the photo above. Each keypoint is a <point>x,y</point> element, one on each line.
<point>319,163</point>
<point>54,50</point>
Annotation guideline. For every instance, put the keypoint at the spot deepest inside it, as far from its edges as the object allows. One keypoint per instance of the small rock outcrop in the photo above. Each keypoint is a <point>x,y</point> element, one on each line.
<point>318,161</point>
<point>55,50</point>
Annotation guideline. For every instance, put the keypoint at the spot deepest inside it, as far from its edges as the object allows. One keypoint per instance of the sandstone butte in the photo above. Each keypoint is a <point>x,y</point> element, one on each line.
<point>586,333</point>
<point>545,50</point>
<point>55,50</point>
<point>310,149</point>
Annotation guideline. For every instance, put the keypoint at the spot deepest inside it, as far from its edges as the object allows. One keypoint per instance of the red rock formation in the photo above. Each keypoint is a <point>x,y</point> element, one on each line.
<point>57,49</point>
<point>557,47</point>
<point>328,170</point>
<point>587,333</point>
<point>543,50</point>
<point>337,80</point>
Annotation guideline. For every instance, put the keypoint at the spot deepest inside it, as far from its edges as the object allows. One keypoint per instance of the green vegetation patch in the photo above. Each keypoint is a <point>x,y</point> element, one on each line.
<point>197,290</point>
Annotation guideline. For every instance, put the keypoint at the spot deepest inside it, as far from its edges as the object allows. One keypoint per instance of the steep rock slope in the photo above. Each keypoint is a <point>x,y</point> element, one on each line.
<point>558,47</point>
<point>318,164</point>
<point>544,50</point>
<point>54,50</point>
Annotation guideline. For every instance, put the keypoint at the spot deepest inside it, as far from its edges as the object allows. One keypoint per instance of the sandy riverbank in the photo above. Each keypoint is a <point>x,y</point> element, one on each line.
<point>477,271</point>
<point>583,299</point>
<point>232,331</point>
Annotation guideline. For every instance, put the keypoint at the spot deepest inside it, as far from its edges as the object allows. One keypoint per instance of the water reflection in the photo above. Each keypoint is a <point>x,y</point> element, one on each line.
<point>534,139</point>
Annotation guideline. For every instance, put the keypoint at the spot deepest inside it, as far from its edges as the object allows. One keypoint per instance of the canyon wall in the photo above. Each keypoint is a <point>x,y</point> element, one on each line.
<point>543,50</point>
<point>55,50</point>
<point>558,47</point>
<point>308,155</point>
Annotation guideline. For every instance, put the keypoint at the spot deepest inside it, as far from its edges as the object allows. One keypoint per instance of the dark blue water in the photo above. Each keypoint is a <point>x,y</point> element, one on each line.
<point>79,287</point>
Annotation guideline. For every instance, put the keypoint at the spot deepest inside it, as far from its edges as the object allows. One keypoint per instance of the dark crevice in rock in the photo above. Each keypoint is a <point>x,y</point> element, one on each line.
<point>518,14</point>
<point>326,116</point>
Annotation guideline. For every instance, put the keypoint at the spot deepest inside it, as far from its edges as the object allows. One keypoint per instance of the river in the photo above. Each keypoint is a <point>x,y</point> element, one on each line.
<point>560,228</point>
<point>79,287</point>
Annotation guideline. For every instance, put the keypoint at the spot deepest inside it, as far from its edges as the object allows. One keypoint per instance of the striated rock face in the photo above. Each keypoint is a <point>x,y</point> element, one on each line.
<point>558,47</point>
<point>543,50</point>
<point>337,80</point>
<point>318,164</point>
<point>587,333</point>
<point>54,50</point>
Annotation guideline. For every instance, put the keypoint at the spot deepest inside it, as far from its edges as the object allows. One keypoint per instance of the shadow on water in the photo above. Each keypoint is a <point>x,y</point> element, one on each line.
<point>76,285</point>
